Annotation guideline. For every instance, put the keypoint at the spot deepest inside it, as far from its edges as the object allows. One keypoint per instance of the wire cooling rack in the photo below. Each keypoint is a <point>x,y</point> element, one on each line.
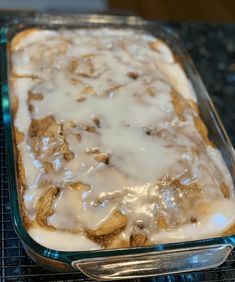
<point>17,266</point>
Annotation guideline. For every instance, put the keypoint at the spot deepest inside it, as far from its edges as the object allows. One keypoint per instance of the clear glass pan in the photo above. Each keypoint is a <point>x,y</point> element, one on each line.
<point>128,262</point>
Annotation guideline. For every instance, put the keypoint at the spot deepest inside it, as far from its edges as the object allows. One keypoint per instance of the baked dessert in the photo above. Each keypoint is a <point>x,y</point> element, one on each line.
<point>111,149</point>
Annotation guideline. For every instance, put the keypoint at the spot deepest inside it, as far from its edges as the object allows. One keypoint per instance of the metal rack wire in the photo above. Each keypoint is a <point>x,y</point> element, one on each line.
<point>17,266</point>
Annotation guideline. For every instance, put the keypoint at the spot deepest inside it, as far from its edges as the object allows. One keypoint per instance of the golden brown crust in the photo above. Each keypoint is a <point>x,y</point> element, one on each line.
<point>118,243</point>
<point>225,190</point>
<point>90,128</point>
<point>193,106</point>
<point>114,223</point>
<point>34,96</point>
<point>193,188</point>
<point>67,125</point>
<point>22,186</point>
<point>48,167</point>
<point>202,209</point>
<point>67,154</point>
<point>38,129</point>
<point>15,75</point>
<point>200,126</point>
<point>107,234</point>
<point>19,136</point>
<point>162,223</point>
<point>43,206</point>
<point>138,240</point>
<point>187,197</point>
<point>85,66</point>
<point>80,186</point>
<point>21,171</point>
<point>151,91</point>
<point>178,59</point>
<point>155,45</point>
<point>72,65</point>
<point>20,36</point>
<point>96,122</point>
<point>133,75</point>
<point>179,104</point>
<point>44,127</point>
<point>14,105</point>
<point>78,137</point>
<point>103,158</point>
<point>48,127</point>
<point>104,240</point>
<point>229,231</point>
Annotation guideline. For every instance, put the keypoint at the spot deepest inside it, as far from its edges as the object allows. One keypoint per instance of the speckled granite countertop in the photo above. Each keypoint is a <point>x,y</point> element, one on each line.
<point>212,48</point>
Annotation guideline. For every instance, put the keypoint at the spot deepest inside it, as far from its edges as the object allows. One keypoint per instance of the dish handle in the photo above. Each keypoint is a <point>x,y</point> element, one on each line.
<point>154,263</point>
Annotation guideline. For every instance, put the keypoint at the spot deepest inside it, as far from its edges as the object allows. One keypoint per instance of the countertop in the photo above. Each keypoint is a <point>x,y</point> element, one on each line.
<point>212,48</point>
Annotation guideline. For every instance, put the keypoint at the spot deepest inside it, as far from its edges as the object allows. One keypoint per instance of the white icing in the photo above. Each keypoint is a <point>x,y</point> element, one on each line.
<point>62,241</point>
<point>164,50</point>
<point>132,145</point>
<point>20,88</point>
<point>79,214</point>
<point>35,36</point>
<point>31,165</point>
<point>217,160</point>
<point>177,77</point>
<point>139,131</point>
<point>220,217</point>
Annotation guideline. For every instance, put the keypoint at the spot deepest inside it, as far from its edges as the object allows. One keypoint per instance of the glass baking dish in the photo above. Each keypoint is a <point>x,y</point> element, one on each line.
<point>127,262</point>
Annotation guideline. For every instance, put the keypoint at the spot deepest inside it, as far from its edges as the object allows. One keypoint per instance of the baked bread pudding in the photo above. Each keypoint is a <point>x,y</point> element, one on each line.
<point>111,149</point>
